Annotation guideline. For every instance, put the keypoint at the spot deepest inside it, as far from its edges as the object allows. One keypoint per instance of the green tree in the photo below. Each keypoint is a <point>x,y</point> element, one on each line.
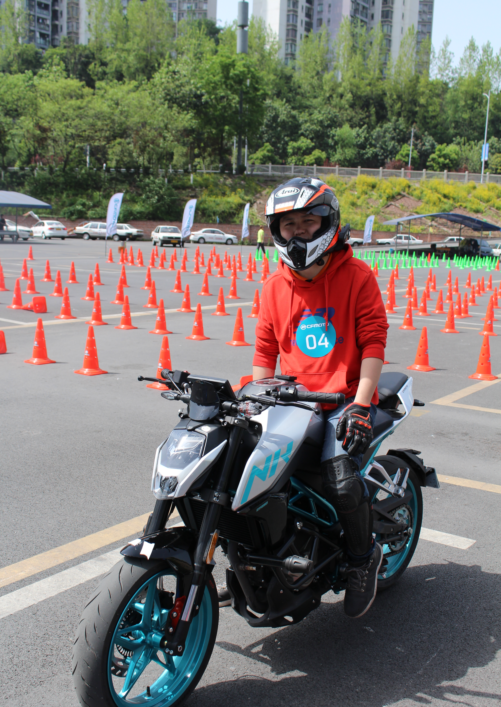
<point>444,157</point>
<point>265,155</point>
<point>297,150</point>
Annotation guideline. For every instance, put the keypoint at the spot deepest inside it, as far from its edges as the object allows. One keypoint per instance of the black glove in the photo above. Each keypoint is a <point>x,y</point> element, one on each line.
<point>355,426</point>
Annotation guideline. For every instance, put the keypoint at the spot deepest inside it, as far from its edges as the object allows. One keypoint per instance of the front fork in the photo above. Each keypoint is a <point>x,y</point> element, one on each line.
<point>174,644</point>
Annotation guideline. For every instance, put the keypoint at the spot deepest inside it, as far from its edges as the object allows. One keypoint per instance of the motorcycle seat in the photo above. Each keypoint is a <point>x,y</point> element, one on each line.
<point>388,387</point>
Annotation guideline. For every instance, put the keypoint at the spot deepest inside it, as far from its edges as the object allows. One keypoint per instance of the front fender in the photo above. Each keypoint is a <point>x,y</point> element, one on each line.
<point>176,546</point>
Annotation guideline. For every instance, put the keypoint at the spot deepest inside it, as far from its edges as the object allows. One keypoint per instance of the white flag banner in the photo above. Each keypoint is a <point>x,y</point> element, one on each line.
<point>188,218</point>
<point>368,229</point>
<point>245,222</point>
<point>112,215</point>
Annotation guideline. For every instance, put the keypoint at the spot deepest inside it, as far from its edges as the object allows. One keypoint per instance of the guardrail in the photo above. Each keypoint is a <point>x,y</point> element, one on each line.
<point>291,170</point>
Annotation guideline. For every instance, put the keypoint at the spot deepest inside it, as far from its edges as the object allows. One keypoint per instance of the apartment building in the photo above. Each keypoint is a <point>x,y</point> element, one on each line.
<point>291,20</point>
<point>50,20</point>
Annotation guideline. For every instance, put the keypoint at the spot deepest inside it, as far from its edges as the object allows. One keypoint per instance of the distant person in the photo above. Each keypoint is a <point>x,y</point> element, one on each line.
<point>260,241</point>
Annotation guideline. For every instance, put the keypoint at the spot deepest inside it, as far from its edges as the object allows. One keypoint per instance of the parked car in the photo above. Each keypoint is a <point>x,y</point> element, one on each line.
<point>14,232</point>
<point>166,235</point>
<point>399,240</point>
<point>452,239</point>
<point>94,229</point>
<point>496,249</point>
<point>213,235</point>
<point>354,242</point>
<point>49,229</point>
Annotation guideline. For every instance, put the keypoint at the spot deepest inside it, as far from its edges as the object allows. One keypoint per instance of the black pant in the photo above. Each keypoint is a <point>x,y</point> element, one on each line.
<point>260,245</point>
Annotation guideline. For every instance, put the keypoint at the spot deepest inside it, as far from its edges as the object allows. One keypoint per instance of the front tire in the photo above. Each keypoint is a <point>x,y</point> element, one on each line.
<point>119,631</point>
<point>201,240</point>
<point>86,236</point>
<point>229,241</point>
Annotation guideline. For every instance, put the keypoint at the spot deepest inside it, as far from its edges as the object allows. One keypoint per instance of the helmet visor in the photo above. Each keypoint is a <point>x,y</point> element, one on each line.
<point>319,210</point>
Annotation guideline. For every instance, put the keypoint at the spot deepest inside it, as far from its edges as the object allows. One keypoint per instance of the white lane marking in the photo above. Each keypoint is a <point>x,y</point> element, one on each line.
<point>436,536</point>
<point>57,583</point>
<point>67,579</point>
<point>14,321</point>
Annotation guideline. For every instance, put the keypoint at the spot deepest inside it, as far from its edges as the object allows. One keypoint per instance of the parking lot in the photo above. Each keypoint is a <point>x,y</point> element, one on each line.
<point>77,454</point>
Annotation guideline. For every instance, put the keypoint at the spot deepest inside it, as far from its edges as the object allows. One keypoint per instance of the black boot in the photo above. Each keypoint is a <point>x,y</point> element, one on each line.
<point>362,584</point>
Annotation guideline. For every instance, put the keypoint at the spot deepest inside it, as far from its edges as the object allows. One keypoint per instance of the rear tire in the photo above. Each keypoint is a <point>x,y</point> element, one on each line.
<point>229,241</point>
<point>86,236</point>
<point>97,663</point>
<point>397,564</point>
<point>201,240</point>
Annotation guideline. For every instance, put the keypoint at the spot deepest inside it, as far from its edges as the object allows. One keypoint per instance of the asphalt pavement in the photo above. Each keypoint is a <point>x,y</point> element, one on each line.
<point>77,454</point>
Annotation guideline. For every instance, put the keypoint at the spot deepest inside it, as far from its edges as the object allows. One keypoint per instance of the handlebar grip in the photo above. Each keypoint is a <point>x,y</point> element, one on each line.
<point>292,394</point>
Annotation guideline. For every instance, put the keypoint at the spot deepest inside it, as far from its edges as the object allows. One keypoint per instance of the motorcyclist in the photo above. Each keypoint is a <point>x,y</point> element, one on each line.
<point>322,312</point>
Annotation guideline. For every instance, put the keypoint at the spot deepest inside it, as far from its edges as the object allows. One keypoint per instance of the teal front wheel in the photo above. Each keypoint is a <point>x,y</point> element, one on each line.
<point>118,659</point>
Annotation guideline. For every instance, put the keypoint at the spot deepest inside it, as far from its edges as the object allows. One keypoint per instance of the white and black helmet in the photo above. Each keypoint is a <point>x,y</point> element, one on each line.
<point>315,197</point>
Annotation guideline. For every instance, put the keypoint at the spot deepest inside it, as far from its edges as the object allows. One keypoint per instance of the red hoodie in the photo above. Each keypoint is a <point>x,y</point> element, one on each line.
<point>324,328</point>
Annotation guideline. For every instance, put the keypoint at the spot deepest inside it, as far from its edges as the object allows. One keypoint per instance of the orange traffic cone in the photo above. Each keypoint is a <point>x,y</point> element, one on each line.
<point>238,331</point>
<point>376,270</point>
<point>2,281</point>
<point>466,313</point>
<point>488,329</point>
<point>482,285</point>
<point>427,291</point>
<point>126,321</point>
<point>161,262</point>
<point>220,271</point>
<point>449,298</point>
<point>468,280</point>
<point>254,267</point>
<point>205,287</point>
<point>155,250</point>
<point>182,267</point>
<point>152,259</point>
<point>58,287</point>
<point>414,298</point>
<point>450,326</point>
<point>3,343</point>
<point>147,281</point>
<point>97,276</point>
<point>433,287</point>
<point>449,278</point>
<point>209,270</point>
<point>30,253</point>
<point>408,325</point>
<point>389,306</point>
<point>39,357</point>
<point>119,297</point>
<point>249,277</point>
<point>408,291</point>
<point>139,259</point>
<point>178,289</point>
<point>472,301</point>
<point>264,277</point>
<point>90,362</point>
<point>196,269</point>
<point>123,277</point>
<point>24,270</point>
<point>239,263</point>
<point>458,309</point>
<point>186,303</point>
<point>164,362</point>
<point>96,318</point>
<point>495,302</point>
<point>72,280</point>
<point>131,260</point>
<point>478,288</point>
<point>396,272</point>
<point>17,299</point>
<point>152,299</point>
<point>455,291</point>
<point>30,287</point>
<point>110,257</point>
<point>490,311</point>
<point>89,295</point>
<point>198,326</point>
<point>220,307</point>
<point>484,371</point>
<point>202,260</point>
<point>423,309</point>
<point>48,276</point>
<point>160,323</point>
<point>497,266</point>
<point>390,283</point>
<point>233,289</point>
<point>65,307</point>
<point>255,307</point>
<point>439,309</point>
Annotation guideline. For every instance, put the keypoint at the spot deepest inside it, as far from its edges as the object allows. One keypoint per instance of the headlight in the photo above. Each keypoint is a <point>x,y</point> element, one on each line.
<point>180,453</point>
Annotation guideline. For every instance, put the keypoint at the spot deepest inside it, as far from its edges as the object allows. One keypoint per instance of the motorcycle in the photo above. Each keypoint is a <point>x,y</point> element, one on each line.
<point>242,471</point>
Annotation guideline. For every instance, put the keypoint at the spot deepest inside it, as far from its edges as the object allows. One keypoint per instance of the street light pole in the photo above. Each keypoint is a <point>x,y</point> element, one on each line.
<point>242,48</point>
<point>488,96</point>
<point>410,153</point>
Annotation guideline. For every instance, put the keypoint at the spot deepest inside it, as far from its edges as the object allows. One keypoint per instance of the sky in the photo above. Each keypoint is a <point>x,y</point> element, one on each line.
<point>458,19</point>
